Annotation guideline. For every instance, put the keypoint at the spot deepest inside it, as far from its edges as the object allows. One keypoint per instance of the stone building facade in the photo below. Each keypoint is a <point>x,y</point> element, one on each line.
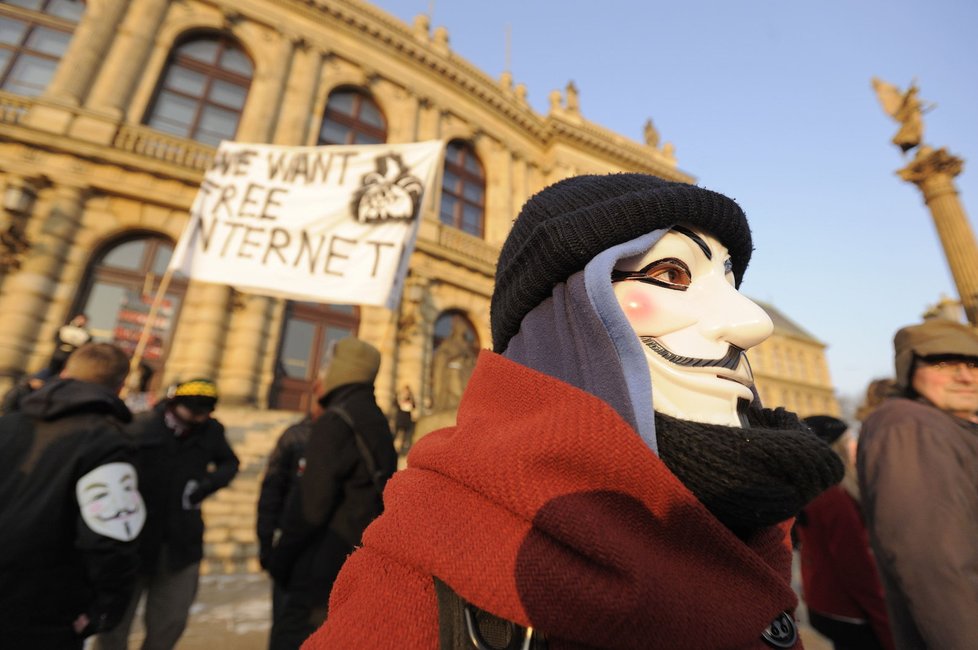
<point>110,112</point>
<point>791,370</point>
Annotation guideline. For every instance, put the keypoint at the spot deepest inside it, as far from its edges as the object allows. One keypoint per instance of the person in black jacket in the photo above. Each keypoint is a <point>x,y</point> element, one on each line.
<point>183,457</point>
<point>24,387</point>
<point>349,457</point>
<point>70,509</point>
<point>285,466</point>
<point>68,338</point>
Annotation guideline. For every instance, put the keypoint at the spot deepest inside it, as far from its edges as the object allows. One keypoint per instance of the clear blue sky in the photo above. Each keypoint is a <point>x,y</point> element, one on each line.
<point>770,102</point>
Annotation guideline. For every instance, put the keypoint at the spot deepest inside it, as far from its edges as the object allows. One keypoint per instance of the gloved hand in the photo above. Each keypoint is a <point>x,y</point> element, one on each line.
<point>193,493</point>
<point>280,568</point>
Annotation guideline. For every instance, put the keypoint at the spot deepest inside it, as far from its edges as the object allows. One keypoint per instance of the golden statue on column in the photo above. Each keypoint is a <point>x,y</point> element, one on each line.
<point>933,171</point>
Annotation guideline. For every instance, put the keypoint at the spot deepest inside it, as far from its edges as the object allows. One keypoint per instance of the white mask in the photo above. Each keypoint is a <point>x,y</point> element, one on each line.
<point>694,324</point>
<point>109,502</point>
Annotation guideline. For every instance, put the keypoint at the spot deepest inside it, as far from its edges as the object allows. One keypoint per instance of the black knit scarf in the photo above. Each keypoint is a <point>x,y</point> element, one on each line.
<point>749,477</point>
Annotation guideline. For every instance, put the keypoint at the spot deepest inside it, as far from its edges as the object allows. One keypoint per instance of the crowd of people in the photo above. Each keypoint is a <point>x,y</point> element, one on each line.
<point>107,505</point>
<point>612,479</point>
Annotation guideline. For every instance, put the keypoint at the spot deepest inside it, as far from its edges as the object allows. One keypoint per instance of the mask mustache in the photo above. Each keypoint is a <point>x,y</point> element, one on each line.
<point>729,361</point>
<point>121,513</point>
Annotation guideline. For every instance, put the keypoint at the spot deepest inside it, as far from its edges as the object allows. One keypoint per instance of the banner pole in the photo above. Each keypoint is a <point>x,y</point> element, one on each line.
<point>393,324</point>
<point>137,355</point>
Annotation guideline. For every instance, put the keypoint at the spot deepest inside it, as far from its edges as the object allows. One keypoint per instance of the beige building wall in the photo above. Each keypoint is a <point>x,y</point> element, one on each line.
<point>791,370</point>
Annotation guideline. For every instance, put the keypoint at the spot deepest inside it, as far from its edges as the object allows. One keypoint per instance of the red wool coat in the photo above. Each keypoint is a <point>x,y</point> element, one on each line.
<point>838,572</point>
<point>542,506</point>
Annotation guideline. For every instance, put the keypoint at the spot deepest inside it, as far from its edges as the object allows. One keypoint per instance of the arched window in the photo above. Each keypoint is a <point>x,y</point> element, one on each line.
<point>120,285</point>
<point>203,90</point>
<point>309,330</point>
<point>455,346</point>
<point>463,189</point>
<point>352,117</point>
<point>34,35</point>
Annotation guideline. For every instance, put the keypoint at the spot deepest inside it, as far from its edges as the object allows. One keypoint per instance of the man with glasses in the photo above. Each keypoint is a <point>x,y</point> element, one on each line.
<point>918,471</point>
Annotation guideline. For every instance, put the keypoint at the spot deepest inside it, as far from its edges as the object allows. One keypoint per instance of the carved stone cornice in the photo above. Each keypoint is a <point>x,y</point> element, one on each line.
<point>395,38</point>
<point>612,145</point>
<point>929,163</point>
<point>372,24</point>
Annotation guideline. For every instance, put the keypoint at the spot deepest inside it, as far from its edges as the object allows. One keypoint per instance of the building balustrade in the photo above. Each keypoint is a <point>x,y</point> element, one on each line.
<point>160,146</point>
<point>473,248</point>
<point>13,108</point>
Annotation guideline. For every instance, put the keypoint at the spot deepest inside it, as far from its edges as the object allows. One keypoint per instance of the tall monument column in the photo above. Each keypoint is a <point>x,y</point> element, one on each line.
<point>933,172</point>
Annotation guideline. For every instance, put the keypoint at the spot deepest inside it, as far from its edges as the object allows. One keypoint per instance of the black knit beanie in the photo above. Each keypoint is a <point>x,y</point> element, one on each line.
<point>561,228</point>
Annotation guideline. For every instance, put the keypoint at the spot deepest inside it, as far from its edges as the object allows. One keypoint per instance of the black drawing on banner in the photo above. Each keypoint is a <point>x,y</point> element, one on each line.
<point>388,194</point>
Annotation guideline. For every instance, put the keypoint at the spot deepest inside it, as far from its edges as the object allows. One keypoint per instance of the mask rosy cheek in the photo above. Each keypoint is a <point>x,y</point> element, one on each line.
<point>636,304</point>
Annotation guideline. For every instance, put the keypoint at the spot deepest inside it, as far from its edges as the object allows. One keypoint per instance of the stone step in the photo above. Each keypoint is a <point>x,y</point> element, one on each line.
<point>230,546</point>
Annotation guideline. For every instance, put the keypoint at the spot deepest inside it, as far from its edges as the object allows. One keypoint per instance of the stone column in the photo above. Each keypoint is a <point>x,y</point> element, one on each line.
<point>198,342</point>
<point>26,295</point>
<point>520,184</point>
<point>933,172</point>
<point>499,209</point>
<point>126,60</point>
<point>87,50</point>
<point>427,126</point>
<point>299,96</point>
<point>245,341</point>
<point>413,325</point>
<point>265,94</point>
<point>428,121</point>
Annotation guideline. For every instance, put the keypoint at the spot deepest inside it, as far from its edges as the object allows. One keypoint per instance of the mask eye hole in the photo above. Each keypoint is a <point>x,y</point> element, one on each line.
<point>670,273</point>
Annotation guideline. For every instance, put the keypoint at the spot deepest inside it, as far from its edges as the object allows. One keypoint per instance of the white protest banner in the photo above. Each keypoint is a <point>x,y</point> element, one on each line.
<point>325,224</point>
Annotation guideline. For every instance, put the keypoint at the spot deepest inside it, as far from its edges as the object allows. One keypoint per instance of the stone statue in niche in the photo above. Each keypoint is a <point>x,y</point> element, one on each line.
<point>452,365</point>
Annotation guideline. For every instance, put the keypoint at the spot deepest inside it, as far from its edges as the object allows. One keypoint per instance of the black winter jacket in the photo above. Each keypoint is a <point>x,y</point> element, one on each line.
<point>336,499</point>
<point>166,464</point>
<point>67,540</point>
<point>286,464</point>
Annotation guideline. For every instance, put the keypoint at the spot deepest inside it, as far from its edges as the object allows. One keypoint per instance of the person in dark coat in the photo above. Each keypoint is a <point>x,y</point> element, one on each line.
<point>68,338</point>
<point>918,477</point>
<point>349,457</point>
<point>183,457</point>
<point>24,387</point>
<point>70,510</point>
<point>839,579</point>
<point>404,420</point>
<point>286,464</point>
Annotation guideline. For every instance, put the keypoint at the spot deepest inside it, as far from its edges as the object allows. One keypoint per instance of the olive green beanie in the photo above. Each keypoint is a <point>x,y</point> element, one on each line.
<point>352,362</point>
